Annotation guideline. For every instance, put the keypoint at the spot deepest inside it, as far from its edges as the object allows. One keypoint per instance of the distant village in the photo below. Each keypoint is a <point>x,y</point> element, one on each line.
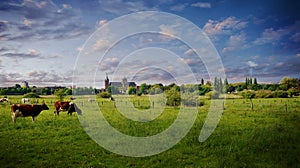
<point>287,86</point>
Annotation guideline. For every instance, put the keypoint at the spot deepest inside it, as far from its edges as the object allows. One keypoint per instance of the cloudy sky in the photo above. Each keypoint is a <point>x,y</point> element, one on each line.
<point>40,41</point>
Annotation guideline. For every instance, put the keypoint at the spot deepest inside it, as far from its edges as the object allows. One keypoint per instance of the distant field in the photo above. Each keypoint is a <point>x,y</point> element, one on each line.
<point>268,136</point>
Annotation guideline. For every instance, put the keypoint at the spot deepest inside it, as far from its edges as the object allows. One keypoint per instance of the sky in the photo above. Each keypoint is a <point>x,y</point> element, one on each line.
<point>62,42</point>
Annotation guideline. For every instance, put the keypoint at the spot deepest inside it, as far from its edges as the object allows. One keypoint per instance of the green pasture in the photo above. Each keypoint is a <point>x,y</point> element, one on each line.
<point>267,136</point>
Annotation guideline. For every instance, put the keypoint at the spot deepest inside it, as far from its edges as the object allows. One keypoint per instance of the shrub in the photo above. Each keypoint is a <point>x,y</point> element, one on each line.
<point>247,94</point>
<point>105,95</point>
<point>31,95</point>
<point>293,92</point>
<point>212,95</point>
<point>190,98</point>
<point>280,94</point>
<point>263,94</point>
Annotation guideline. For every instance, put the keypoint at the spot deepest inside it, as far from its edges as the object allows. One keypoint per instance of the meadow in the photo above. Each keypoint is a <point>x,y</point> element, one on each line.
<point>267,136</point>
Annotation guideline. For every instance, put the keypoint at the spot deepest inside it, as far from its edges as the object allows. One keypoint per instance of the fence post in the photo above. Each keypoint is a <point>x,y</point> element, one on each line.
<point>286,107</point>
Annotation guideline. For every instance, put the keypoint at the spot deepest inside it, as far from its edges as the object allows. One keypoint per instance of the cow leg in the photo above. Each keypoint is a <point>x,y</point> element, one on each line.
<point>14,117</point>
<point>32,118</point>
<point>56,112</point>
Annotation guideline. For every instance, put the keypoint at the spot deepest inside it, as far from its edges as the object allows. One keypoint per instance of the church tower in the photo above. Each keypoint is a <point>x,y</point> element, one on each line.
<point>106,82</point>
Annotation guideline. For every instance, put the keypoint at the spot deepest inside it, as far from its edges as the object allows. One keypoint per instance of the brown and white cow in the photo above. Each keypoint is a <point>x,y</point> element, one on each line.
<point>26,110</point>
<point>66,106</point>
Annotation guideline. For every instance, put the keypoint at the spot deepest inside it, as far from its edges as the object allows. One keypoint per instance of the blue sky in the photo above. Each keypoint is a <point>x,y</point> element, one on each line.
<point>40,40</point>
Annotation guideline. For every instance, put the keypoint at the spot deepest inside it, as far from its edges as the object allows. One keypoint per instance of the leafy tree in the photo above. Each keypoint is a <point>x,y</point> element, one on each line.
<point>113,90</point>
<point>173,96</point>
<point>208,83</point>
<point>203,89</point>
<point>144,88</point>
<point>131,90</point>
<point>230,88</point>
<point>287,83</point>
<point>60,94</point>
<point>255,87</point>
<point>293,92</point>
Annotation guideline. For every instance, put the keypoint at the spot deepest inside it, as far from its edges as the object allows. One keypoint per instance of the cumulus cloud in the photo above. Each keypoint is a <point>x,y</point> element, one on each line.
<point>235,42</point>
<point>109,64</point>
<point>252,64</point>
<point>40,20</point>
<point>201,5</point>
<point>271,35</point>
<point>226,26</point>
<point>120,7</point>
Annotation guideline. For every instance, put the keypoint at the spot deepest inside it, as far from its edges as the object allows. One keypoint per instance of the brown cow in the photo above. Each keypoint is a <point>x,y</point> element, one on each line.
<point>25,110</point>
<point>66,106</point>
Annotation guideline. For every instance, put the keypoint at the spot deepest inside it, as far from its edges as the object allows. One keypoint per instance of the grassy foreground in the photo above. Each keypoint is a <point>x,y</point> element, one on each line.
<point>268,136</point>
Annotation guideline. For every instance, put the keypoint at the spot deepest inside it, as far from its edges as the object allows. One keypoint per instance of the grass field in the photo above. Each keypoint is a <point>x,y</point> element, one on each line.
<point>268,136</point>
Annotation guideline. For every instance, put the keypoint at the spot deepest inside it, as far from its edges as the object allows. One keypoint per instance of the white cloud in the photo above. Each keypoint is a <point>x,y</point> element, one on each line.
<point>201,5</point>
<point>252,64</point>
<point>120,7</point>
<point>223,27</point>
<point>179,7</point>
<point>298,55</point>
<point>168,30</point>
<point>101,22</point>
<point>235,42</point>
<point>27,22</point>
<point>101,45</point>
<point>271,35</point>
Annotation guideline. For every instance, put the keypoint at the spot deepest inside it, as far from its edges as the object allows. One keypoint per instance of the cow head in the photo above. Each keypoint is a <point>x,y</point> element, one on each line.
<point>45,107</point>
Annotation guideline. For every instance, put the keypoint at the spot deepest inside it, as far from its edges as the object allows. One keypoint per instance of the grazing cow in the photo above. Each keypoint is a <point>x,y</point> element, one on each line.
<point>3,100</point>
<point>25,110</point>
<point>24,100</point>
<point>66,106</point>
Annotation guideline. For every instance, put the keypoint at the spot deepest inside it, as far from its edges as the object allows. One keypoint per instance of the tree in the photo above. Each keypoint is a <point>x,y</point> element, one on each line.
<point>255,81</point>
<point>203,89</point>
<point>287,83</point>
<point>226,82</point>
<point>131,90</point>
<point>173,96</point>
<point>60,94</point>
<point>144,88</point>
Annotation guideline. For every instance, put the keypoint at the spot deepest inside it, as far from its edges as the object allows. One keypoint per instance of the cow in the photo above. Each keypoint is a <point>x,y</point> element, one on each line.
<point>66,106</point>
<point>26,110</point>
<point>3,100</point>
<point>24,100</point>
